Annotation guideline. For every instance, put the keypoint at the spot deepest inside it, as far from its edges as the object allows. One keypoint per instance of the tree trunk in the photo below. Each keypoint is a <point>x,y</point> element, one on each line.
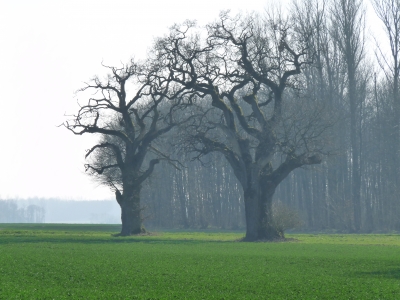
<point>259,218</point>
<point>355,154</point>
<point>269,229</point>
<point>126,219</point>
<point>252,216</point>
<point>180,183</point>
<point>131,217</point>
<point>369,222</point>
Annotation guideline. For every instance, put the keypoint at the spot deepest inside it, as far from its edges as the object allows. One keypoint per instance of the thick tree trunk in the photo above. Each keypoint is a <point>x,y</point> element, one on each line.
<point>131,213</point>
<point>259,217</point>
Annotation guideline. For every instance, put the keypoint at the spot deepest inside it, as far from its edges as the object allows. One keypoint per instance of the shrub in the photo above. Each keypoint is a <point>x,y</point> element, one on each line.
<point>285,217</point>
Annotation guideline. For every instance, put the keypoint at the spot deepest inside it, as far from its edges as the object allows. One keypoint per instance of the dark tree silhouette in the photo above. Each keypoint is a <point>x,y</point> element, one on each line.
<point>242,69</point>
<point>125,110</point>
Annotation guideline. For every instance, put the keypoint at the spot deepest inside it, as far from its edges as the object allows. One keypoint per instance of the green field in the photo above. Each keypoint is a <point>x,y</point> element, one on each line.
<point>86,262</point>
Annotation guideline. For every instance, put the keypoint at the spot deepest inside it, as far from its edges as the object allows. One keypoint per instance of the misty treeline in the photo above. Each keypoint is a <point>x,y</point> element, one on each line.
<point>54,210</point>
<point>245,121</point>
<point>11,212</point>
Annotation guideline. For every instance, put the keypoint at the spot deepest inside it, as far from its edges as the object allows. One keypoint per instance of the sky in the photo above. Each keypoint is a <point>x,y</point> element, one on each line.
<point>48,50</point>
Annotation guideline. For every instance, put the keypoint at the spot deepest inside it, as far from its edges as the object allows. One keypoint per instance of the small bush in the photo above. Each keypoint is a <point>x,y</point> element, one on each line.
<point>285,217</point>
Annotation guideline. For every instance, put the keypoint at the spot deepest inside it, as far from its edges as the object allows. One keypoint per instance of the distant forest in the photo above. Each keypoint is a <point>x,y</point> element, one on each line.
<point>36,210</point>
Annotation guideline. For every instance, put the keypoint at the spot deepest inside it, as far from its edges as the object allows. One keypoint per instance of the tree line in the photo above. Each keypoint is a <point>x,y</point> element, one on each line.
<point>11,212</point>
<point>55,210</point>
<point>251,108</point>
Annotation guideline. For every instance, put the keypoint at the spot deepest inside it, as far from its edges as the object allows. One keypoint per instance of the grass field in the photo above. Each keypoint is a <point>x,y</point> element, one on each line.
<point>86,262</point>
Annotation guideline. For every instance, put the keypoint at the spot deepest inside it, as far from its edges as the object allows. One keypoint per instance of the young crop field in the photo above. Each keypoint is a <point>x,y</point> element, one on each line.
<point>86,262</point>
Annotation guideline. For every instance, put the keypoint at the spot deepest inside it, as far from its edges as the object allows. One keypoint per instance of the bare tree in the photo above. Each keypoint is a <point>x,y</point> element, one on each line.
<point>125,110</point>
<point>242,69</point>
<point>348,24</point>
<point>388,12</point>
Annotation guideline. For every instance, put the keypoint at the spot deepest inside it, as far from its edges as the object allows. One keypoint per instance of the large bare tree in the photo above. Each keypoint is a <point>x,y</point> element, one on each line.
<point>242,67</point>
<point>125,111</point>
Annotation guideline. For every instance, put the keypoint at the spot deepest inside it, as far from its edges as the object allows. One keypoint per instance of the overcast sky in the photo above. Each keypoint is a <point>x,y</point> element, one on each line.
<point>48,49</point>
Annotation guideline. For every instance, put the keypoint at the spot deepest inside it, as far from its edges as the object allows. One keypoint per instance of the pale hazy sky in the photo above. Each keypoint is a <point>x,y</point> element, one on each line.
<point>48,49</point>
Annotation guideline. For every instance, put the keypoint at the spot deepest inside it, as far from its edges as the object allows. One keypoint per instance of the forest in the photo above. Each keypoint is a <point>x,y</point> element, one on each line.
<point>263,121</point>
<point>55,210</point>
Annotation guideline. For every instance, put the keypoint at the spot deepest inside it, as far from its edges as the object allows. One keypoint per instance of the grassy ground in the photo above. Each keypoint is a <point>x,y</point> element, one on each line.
<point>86,262</point>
